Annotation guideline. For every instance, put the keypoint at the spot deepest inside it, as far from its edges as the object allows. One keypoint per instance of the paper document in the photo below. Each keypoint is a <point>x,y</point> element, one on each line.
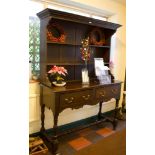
<point>100,69</point>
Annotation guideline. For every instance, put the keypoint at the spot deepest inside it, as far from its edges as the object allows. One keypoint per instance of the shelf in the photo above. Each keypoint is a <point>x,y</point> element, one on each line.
<point>61,43</point>
<point>69,53</point>
<point>73,44</point>
<point>103,46</point>
<point>71,64</point>
<point>67,64</point>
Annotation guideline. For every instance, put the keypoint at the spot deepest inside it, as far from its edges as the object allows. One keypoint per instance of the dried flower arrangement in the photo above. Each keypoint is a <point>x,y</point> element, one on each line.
<point>97,37</point>
<point>60,35</point>
<point>85,50</point>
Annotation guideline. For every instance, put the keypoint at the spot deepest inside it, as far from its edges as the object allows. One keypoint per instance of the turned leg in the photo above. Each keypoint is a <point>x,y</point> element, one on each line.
<point>55,141</point>
<point>115,121</point>
<point>42,110</point>
<point>42,117</point>
<point>100,108</point>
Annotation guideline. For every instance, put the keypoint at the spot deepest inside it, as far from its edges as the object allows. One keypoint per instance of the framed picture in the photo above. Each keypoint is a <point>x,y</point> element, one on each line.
<point>99,63</point>
<point>104,79</point>
<point>100,69</point>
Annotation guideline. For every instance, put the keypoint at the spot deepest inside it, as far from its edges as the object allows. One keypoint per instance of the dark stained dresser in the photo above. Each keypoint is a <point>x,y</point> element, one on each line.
<point>74,95</point>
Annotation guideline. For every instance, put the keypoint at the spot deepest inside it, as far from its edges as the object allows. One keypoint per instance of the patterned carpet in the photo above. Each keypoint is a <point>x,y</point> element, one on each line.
<point>96,140</point>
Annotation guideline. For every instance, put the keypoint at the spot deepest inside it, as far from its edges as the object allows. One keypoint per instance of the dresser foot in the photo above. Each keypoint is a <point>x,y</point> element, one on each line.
<point>115,122</point>
<point>123,110</point>
<point>120,115</point>
<point>55,144</point>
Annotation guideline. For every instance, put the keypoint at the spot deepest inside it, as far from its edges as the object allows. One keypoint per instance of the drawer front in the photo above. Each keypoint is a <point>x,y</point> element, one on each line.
<point>80,97</point>
<point>108,92</point>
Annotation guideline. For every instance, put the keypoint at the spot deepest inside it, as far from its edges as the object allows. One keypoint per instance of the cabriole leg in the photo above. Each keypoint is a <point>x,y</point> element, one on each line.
<point>42,117</point>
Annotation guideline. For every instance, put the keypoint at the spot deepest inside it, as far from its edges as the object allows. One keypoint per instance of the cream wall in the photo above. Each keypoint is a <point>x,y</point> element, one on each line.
<point>118,55</point>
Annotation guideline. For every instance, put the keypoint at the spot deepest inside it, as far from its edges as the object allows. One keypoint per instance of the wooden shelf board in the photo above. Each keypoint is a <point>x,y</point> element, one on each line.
<point>63,63</point>
<point>103,46</point>
<point>61,43</point>
<point>73,44</point>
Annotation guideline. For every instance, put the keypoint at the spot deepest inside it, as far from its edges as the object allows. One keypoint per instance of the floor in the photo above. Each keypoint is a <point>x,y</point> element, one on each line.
<point>95,138</point>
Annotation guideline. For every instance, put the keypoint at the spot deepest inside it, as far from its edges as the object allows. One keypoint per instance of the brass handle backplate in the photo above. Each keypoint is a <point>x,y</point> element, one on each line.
<point>114,91</point>
<point>102,93</point>
<point>70,100</point>
<point>86,97</point>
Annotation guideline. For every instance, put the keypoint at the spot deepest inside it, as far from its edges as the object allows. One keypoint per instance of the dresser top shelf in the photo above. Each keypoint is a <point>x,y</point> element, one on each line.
<point>76,18</point>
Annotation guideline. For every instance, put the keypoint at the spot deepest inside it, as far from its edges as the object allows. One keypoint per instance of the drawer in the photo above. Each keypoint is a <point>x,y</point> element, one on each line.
<point>79,97</point>
<point>111,91</point>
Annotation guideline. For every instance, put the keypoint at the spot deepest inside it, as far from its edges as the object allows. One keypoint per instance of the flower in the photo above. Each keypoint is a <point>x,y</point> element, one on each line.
<point>111,64</point>
<point>85,51</point>
<point>58,72</point>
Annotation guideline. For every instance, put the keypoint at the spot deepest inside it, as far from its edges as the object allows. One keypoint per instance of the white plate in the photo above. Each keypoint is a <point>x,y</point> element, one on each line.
<point>58,84</point>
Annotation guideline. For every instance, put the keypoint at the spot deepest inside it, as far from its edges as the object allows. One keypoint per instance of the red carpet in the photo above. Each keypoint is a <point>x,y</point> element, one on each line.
<point>115,144</point>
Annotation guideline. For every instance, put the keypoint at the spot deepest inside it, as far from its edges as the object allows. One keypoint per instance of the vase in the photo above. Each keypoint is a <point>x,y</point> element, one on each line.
<point>59,84</point>
<point>85,64</point>
<point>85,77</point>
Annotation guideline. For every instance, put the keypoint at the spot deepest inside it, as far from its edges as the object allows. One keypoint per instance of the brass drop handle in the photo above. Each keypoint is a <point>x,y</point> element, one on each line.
<point>114,91</point>
<point>69,100</point>
<point>86,97</point>
<point>102,93</point>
